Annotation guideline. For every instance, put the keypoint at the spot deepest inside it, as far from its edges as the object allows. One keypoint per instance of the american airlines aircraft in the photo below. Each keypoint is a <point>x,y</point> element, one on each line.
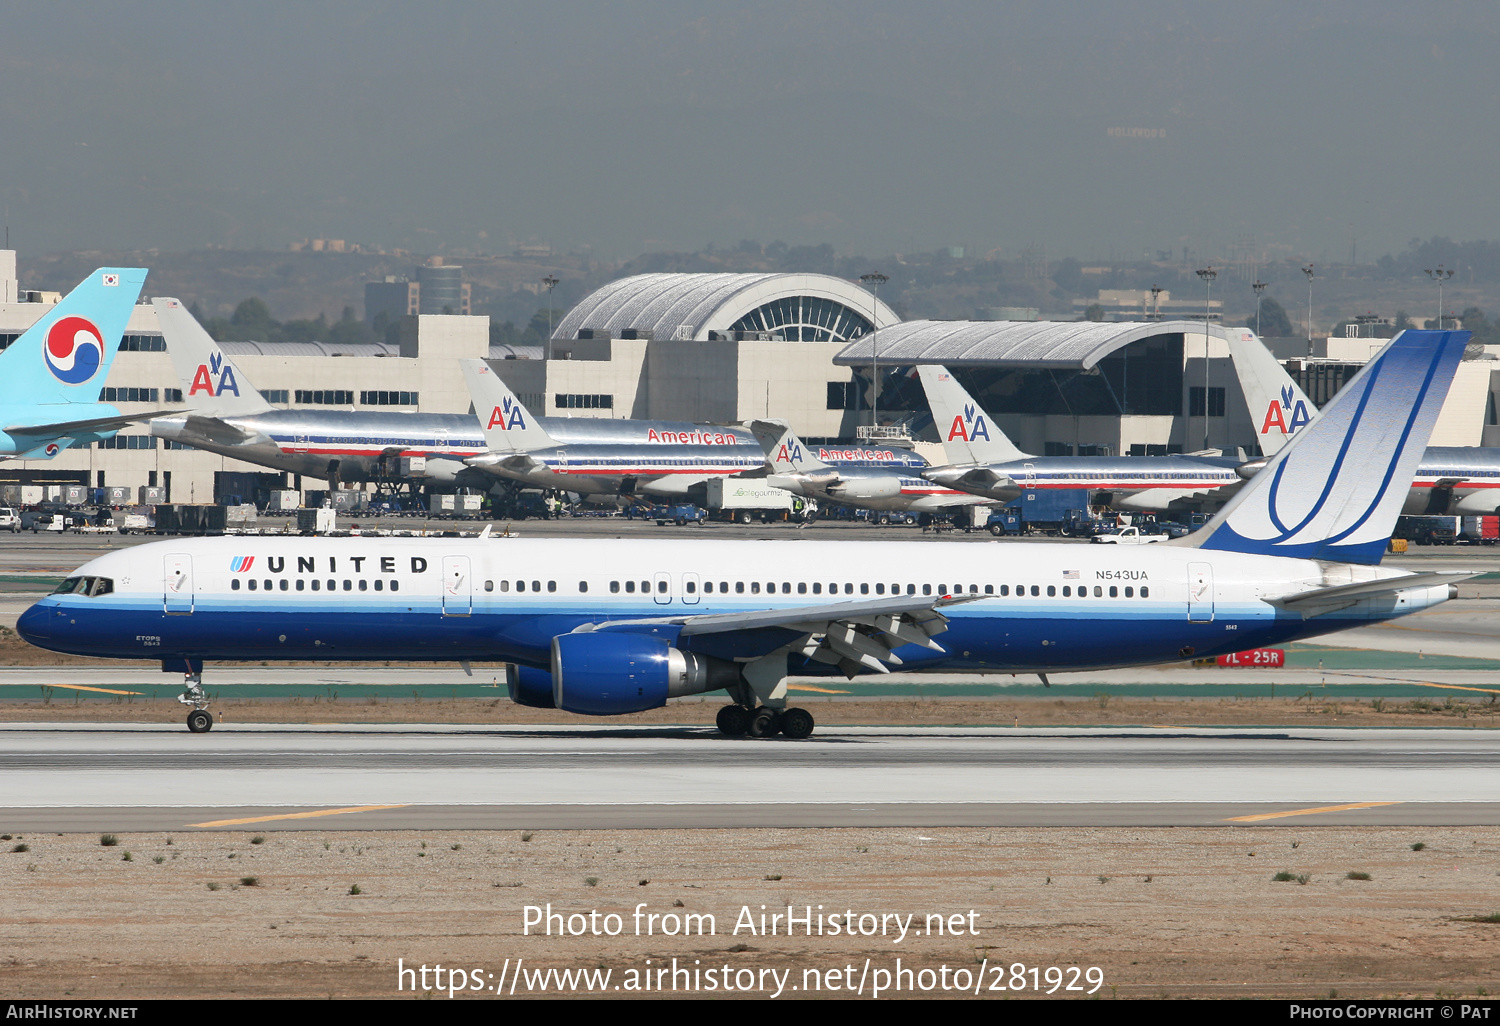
<point>50,376</point>
<point>1449,478</point>
<point>984,461</point>
<point>607,626</point>
<point>861,476</point>
<point>660,458</point>
<point>233,419</point>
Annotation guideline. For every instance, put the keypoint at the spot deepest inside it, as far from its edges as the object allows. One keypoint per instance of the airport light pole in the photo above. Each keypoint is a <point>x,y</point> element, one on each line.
<point>1439,275</point>
<point>1259,287</point>
<point>1208,274</point>
<point>1156,291</point>
<point>551,282</point>
<point>874,280</point>
<point>1308,270</point>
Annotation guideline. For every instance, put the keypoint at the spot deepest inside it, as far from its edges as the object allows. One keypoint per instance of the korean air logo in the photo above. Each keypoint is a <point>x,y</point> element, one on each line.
<point>52,449</point>
<point>969,426</point>
<point>240,564</point>
<point>789,453</point>
<point>507,416</point>
<point>1278,410</point>
<point>216,377</point>
<point>74,350</point>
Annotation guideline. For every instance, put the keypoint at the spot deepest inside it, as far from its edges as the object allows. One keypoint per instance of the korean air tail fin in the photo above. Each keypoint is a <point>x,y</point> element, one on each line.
<point>785,452</point>
<point>211,383</point>
<point>65,356</point>
<point>1278,407</point>
<point>1335,490</point>
<point>508,425</point>
<point>966,431</point>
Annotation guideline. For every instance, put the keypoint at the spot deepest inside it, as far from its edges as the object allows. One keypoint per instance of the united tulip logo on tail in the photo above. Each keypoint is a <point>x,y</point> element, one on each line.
<point>215,377</point>
<point>507,416</point>
<point>1276,418</point>
<point>969,426</point>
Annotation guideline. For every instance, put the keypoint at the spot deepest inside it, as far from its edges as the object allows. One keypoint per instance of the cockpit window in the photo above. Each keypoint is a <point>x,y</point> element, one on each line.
<point>89,586</point>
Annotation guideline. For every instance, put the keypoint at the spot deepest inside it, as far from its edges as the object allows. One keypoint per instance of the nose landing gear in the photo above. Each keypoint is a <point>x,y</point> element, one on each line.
<point>199,720</point>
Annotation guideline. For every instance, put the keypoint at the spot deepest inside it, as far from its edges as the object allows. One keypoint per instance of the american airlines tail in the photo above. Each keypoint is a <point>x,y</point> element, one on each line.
<point>1335,490</point>
<point>1277,406</point>
<point>966,431</point>
<point>785,452</point>
<point>65,356</point>
<point>211,383</point>
<point>508,426</point>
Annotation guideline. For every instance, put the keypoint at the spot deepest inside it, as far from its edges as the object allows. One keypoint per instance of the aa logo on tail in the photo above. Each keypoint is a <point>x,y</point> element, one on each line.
<point>969,426</point>
<point>507,416</point>
<point>216,368</point>
<point>789,453</point>
<point>1275,417</point>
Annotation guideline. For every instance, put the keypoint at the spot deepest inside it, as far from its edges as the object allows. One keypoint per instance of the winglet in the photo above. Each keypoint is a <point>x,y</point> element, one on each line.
<point>968,434</point>
<point>211,382</point>
<point>508,425</point>
<point>1335,490</point>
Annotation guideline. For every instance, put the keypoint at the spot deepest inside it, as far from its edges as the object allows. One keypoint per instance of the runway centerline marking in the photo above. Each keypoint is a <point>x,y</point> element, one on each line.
<point>1308,812</point>
<point>297,815</point>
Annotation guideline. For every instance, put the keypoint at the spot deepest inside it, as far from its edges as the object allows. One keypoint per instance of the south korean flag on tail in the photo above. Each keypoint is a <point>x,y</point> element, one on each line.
<point>111,279</point>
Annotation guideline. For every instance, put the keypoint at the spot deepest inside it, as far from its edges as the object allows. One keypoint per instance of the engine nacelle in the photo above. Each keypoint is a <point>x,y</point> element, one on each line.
<point>886,486</point>
<point>529,686</point>
<point>606,673</point>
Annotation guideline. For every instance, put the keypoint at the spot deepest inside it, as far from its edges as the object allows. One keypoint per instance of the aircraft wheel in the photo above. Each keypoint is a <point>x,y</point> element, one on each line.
<point>765,723</point>
<point>733,720</point>
<point>200,721</point>
<point>796,724</point>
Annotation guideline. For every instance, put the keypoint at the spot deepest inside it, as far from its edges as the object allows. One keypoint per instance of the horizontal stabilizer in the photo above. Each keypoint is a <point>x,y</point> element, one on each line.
<point>1326,600</point>
<point>94,425</point>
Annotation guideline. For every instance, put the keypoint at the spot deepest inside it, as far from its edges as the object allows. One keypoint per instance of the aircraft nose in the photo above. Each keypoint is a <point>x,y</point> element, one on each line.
<point>32,624</point>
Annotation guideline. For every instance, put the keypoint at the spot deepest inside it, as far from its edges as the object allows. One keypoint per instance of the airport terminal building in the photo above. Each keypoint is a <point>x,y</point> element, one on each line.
<point>728,348</point>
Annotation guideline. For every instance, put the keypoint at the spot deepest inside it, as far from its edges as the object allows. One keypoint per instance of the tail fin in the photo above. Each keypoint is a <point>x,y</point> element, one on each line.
<point>966,431</point>
<point>65,356</point>
<point>211,382</point>
<point>508,426</point>
<point>1277,406</point>
<point>1335,490</point>
<point>785,452</point>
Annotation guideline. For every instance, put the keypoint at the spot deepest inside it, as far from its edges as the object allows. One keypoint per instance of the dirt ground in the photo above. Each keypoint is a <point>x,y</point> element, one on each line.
<point>1097,710</point>
<point>1159,912</point>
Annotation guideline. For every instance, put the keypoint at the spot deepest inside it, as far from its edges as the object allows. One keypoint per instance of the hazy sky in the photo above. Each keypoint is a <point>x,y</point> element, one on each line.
<point>877,126</point>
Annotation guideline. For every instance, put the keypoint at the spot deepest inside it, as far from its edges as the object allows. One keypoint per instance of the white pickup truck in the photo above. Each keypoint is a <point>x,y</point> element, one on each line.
<point>1127,536</point>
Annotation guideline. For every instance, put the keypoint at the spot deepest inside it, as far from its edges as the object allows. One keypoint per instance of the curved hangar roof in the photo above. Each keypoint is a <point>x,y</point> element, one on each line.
<point>1059,344</point>
<point>787,307</point>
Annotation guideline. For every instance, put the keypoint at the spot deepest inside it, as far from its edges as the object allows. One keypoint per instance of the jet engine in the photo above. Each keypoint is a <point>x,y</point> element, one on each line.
<point>605,673</point>
<point>529,686</point>
<point>884,487</point>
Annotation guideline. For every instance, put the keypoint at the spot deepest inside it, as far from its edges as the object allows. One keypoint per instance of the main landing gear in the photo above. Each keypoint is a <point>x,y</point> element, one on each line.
<point>737,721</point>
<point>199,720</point>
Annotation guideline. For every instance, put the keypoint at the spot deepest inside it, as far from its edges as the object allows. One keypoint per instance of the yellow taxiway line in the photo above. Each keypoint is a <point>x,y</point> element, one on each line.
<point>809,687</point>
<point>82,687</point>
<point>296,815</point>
<point>1308,812</point>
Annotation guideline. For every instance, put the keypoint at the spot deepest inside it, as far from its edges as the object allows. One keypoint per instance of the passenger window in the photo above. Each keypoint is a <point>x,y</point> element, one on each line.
<point>755,587</point>
<point>267,586</point>
<point>583,587</point>
<point>1067,591</point>
<point>614,587</point>
<point>505,586</point>
<point>723,587</point>
<point>645,587</point>
<point>1145,593</point>
<point>989,589</point>
<point>926,589</point>
<point>880,589</point>
<point>252,585</point>
<point>348,584</point>
<point>1114,592</point>
<point>630,587</point>
<point>234,585</point>
<point>536,585</point>
<point>1005,590</point>
<point>708,587</point>
<point>943,590</point>
<point>739,587</point>
<point>1035,591</point>
<point>364,585</point>
<point>489,585</point>
<point>379,584</point>
<point>1051,590</point>
<point>801,587</point>
<point>692,588</point>
<point>911,589</point>
<point>818,588</point>
<point>333,585</point>
<point>285,585</point>
<point>395,585</point>
<point>864,589</point>
<point>1129,592</point>
<point>786,587</point>
<point>551,585</point>
<point>316,584</point>
<point>301,584</point>
<point>661,586</point>
<point>1098,591</point>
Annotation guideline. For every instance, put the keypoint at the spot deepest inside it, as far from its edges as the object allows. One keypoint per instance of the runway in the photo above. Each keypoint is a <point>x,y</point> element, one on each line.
<point>66,777</point>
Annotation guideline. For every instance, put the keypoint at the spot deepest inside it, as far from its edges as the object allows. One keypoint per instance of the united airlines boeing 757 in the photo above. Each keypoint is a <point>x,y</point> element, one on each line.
<point>607,626</point>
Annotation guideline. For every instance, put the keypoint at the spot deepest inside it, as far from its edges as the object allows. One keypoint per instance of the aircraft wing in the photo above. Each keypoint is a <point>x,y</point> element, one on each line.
<point>215,430</point>
<point>62,428</point>
<point>849,635</point>
<point>1327,600</point>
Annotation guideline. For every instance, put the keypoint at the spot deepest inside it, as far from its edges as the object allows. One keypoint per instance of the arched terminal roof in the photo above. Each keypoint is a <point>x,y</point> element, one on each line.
<point>792,307</point>
<point>1056,344</point>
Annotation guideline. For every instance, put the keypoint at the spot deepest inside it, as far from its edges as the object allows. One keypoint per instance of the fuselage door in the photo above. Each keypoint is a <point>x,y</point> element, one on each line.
<point>1200,592</point>
<point>690,588</point>
<point>458,591</point>
<point>661,588</point>
<point>177,584</point>
<point>1028,479</point>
